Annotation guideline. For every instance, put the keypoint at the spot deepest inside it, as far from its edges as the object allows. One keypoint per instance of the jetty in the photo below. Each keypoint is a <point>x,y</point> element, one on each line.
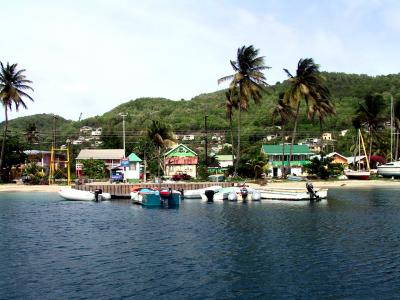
<point>122,190</point>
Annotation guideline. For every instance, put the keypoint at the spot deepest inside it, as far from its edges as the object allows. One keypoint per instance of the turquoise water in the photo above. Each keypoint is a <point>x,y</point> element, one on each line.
<point>347,247</point>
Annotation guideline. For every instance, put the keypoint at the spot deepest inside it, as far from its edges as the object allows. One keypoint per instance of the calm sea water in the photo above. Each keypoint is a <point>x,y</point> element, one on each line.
<point>348,247</point>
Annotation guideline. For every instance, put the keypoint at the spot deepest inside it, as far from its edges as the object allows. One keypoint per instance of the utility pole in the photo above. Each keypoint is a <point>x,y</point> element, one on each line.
<point>123,115</point>
<point>391,127</point>
<point>206,141</point>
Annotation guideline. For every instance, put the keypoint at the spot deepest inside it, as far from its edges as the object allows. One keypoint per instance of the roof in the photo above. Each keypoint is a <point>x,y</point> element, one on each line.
<point>133,157</point>
<point>184,151</point>
<point>35,152</point>
<point>329,155</point>
<point>277,149</point>
<point>224,157</point>
<point>101,154</point>
<point>350,159</point>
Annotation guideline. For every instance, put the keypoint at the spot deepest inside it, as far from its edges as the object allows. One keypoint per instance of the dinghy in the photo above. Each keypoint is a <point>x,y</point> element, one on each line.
<point>196,194</point>
<point>77,195</point>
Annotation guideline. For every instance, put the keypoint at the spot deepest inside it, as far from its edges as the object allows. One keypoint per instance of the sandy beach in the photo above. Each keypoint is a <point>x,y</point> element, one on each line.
<point>275,184</point>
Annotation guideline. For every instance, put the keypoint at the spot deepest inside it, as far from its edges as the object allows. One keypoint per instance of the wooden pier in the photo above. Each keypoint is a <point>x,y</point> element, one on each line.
<point>123,189</point>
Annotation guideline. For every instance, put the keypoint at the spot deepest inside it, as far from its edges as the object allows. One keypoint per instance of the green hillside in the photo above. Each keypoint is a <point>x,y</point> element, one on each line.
<point>186,115</point>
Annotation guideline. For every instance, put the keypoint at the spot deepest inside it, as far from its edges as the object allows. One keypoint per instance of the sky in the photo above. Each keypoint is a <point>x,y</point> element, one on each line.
<point>91,56</point>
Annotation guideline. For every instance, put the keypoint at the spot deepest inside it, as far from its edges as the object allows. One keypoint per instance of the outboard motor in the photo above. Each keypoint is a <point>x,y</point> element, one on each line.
<point>165,195</point>
<point>244,192</point>
<point>232,196</point>
<point>256,196</point>
<point>182,193</point>
<point>210,195</point>
<point>97,192</point>
<point>310,190</point>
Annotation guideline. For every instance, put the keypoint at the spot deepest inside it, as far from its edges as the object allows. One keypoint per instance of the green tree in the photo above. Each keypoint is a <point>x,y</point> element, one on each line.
<point>94,169</point>
<point>248,80</point>
<point>161,136</point>
<point>258,164</point>
<point>370,112</point>
<point>321,110</point>
<point>306,85</point>
<point>13,87</point>
<point>324,167</point>
<point>31,134</point>
<point>285,112</point>
<point>14,156</point>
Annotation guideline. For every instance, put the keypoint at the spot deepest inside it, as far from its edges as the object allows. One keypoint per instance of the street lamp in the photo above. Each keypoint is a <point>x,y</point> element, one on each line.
<point>123,115</point>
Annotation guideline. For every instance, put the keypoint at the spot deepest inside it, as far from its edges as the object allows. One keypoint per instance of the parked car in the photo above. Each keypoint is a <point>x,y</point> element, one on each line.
<point>116,176</point>
<point>181,176</point>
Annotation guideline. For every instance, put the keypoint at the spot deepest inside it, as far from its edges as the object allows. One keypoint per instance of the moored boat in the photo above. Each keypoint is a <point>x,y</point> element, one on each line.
<point>357,174</point>
<point>78,195</point>
<point>156,198</point>
<point>391,169</point>
<point>196,194</point>
<point>234,193</point>
<point>293,194</point>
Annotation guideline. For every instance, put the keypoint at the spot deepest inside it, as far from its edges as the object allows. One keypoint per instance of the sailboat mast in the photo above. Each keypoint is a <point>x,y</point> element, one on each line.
<point>391,127</point>
<point>365,152</point>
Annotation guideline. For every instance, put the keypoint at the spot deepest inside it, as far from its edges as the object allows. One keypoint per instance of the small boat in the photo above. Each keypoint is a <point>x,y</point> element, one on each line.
<point>196,194</point>
<point>391,169</point>
<point>156,198</point>
<point>77,195</point>
<point>294,178</point>
<point>293,194</point>
<point>234,193</point>
<point>357,174</point>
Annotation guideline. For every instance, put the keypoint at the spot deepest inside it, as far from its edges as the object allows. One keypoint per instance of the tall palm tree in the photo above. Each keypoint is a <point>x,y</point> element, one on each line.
<point>13,87</point>
<point>306,85</point>
<point>286,113</point>
<point>397,126</point>
<point>248,79</point>
<point>231,104</point>
<point>161,136</point>
<point>321,110</point>
<point>370,112</point>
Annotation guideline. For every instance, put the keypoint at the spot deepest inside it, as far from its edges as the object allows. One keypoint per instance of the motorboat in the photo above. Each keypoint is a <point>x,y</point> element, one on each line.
<point>234,193</point>
<point>196,194</point>
<point>78,195</point>
<point>293,194</point>
<point>156,198</point>
<point>391,169</point>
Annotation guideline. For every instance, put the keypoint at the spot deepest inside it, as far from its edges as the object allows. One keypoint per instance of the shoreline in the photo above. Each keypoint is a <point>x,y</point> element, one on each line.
<point>276,184</point>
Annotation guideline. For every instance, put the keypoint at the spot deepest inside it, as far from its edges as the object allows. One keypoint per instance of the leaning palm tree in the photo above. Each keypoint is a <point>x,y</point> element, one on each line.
<point>285,112</point>
<point>249,80</point>
<point>231,104</point>
<point>370,112</point>
<point>13,87</point>
<point>161,136</point>
<point>321,110</point>
<point>306,85</point>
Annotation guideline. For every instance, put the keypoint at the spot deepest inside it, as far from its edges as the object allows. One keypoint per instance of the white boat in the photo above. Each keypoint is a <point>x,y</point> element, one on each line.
<point>234,193</point>
<point>357,174</point>
<point>77,195</point>
<point>391,169</point>
<point>196,194</point>
<point>292,194</point>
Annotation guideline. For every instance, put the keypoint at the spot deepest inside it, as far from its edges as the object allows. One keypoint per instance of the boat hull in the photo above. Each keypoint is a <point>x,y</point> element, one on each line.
<point>361,175</point>
<point>76,195</point>
<point>389,170</point>
<point>151,198</point>
<point>292,194</point>
<point>196,194</point>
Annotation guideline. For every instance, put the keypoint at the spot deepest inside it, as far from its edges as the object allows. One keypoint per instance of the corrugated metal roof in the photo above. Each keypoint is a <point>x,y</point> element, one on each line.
<point>101,154</point>
<point>277,149</point>
<point>224,157</point>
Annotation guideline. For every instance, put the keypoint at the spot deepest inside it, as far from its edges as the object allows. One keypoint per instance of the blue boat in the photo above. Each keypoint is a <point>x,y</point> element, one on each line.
<point>153,198</point>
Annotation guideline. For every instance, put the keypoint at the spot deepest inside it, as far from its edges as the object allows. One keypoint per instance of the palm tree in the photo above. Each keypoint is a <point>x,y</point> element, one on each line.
<point>230,104</point>
<point>13,84</point>
<point>161,136</point>
<point>31,133</point>
<point>397,126</point>
<point>248,79</point>
<point>307,85</point>
<point>321,110</point>
<point>370,112</point>
<point>285,112</point>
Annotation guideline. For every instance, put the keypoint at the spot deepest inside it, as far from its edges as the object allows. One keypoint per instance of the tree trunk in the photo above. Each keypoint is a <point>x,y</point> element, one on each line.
<point>238,145</point>
<point>293,137</point>
<point>397,146</point>
<point>3,144</point>
<point>233,149</point>
<point>370,146</point>
<point>159,161</point>
<point>283,153</point>
<point>322,143</point>
<point>144,168</point>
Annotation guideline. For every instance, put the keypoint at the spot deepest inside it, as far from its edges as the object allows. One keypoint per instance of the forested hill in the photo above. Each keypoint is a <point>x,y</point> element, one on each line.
<point>346,89</point>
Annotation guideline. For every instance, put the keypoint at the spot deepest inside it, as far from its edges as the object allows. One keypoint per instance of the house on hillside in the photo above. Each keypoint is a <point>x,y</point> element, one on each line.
<point>42,159</point>
<point>224,161</point>
<point>337,158</point>
<point>181,159</point>
<point>301,156</point>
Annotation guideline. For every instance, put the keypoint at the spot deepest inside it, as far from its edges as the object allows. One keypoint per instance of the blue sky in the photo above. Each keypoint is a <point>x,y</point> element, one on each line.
<point>90,56</point>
